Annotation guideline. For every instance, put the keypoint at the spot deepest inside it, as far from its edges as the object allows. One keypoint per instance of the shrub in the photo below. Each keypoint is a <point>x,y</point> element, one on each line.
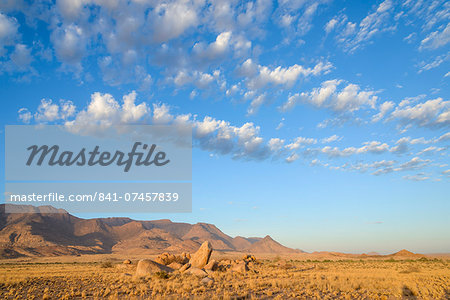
<point>106,264</point>
<point>162,275</point>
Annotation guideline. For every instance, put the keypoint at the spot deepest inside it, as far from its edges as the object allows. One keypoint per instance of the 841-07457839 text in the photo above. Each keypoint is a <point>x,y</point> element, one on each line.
<point>96,196</point>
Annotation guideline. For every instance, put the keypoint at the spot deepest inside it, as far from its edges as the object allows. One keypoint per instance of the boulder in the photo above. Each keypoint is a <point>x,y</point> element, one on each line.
<point>239,267</point>
<point>127,262</point>
<point>185,267</point>
<point>200,258</point>
<point>212,265</point>
<point>207,281</point>
<point>147,267</point>
<point>165,258</point>
<point>183,258</point>
<point>175,265</point>
<point>196,271</point>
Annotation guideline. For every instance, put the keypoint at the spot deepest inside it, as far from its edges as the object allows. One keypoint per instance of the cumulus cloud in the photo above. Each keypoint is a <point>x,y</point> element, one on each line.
<point>8,31</point>
<point>331,139</point>
<point>284,76</point>
<point>431,113</point>
<point>223,45</point>
<point>384,108</point>
<point>293,157</point>
<point>348,99</point>
<point>25,115</point>
<point>415,163</point>
<point>301,142</point>
<point>48,111</point>
<point>70,44</point>
<point>171,19</point>
<point>103,111</point>
<point>374,147</point>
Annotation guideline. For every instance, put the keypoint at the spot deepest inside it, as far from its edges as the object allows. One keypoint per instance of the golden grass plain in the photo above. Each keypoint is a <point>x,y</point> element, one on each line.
<point>273,277</point>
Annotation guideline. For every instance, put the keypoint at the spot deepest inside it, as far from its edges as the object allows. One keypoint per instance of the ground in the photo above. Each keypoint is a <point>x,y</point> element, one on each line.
<point>99,277</point>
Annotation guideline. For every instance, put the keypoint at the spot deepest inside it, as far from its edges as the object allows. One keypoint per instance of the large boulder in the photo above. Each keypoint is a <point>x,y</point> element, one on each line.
<point>183,258</point>
<point>165,259</point>
<point>200,258</point>
<point>239,267</point>
<point>207,281</point>
<point>197,272</point>
<point>175,265</point>
<point>147,267</point>
<point>184,268</point>
<point>211,266</point>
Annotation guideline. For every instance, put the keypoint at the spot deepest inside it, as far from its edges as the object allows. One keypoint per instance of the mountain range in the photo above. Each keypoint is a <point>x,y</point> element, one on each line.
<point>47,231</point>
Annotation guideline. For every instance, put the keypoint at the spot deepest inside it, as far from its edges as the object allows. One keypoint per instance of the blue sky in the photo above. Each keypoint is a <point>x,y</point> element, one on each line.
<point>322,123</point>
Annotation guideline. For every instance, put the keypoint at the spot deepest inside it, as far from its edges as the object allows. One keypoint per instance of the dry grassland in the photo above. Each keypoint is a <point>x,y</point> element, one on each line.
<point>270,278</point>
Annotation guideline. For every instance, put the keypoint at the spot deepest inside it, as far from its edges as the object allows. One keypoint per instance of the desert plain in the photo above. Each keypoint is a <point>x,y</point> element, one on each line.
<point>46,254</point>
<point>270,277</point>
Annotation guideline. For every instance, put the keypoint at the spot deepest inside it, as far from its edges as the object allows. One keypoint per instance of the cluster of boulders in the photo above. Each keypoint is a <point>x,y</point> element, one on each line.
<point>198,264</point>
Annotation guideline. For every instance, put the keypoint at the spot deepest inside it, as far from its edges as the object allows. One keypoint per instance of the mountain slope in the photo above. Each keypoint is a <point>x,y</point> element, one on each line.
<point>40,231</point>
<point>268,245</point>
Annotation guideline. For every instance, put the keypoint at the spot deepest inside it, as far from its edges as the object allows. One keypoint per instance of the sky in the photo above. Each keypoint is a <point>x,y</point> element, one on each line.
<point>324,124</point>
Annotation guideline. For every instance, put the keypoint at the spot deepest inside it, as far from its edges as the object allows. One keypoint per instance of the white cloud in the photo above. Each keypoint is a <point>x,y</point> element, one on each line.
<point>374,147</point>
<point>384,108</point>
<point>50,112</point>
<point>436,39</point>
<point>348,99</point>
<point>414,164</point>
<point>437,61</point>
<point>200,79</point>
<point>70,43</point>
<point>275,144</point>
<point>331,139</point>
<point>21,57</point>
<point>223,45</point>
<point>431,150</point>
<point>300,142</point>
<point>282,75</point>
<point>103,111</point>
<point>131,111</point>
<point>352,37</point>
<point>402,145</point>
<point>256,103</point>
<point>416,177</point>
<point>291,158</point>
<point>330,25</point>
<point>8,31</point>
<point>432,113</point>
<point>25,115</point>
<point>296,17</point>
<point>444,137</point>
<point>161,115</point>
<point>173,18</point>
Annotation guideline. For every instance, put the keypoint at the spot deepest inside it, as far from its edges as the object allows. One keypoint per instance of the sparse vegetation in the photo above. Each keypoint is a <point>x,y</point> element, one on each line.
<point>352,279</point>
<point>106,264</point>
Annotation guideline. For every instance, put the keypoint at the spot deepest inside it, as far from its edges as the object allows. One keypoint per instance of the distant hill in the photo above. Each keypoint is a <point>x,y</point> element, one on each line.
<point>405,253</point>
<point>46,231</point>
<point>268,245</point>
